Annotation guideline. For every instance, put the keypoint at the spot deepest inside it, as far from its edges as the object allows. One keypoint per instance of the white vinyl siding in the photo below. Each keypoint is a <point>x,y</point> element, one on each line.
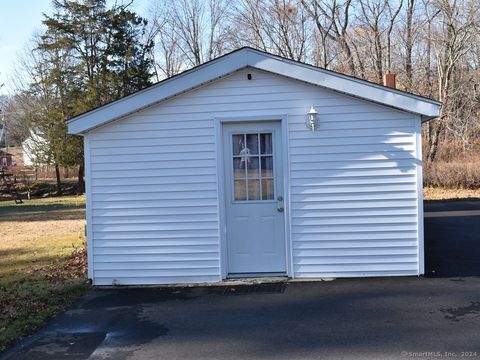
<point>354,194</point>
<point>154,201</point>
<point>154,214</point>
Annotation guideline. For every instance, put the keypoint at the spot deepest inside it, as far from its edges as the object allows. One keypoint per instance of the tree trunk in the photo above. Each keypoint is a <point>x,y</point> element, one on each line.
<point>434,139</point>
<point>409,46</point>
<point>81,181</point>
<point>348,54</point>
<point>59,182</point>
<point>379,57</point>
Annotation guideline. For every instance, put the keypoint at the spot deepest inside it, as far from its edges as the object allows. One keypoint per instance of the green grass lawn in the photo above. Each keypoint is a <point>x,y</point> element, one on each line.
<point>42,262</point>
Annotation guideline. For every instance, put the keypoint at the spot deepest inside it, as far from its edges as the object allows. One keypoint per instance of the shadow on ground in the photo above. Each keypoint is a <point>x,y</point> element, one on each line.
<point>42,213</point>
<point>452,238</point>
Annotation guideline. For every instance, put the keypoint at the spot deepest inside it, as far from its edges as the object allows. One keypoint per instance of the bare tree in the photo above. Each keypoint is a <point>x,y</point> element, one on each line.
<point>168,57</point>
<point>409,44</point>
<point>278,26</point>
<point>393,13</point>
<point>322,36</point>
<point>452,39</point>
<point>378,17</point>
<point>331,19</point>
<point>372,12</point>
<point>199,28</point>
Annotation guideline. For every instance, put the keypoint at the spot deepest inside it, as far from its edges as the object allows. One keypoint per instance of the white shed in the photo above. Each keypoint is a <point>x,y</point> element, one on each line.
<point>217,173</point>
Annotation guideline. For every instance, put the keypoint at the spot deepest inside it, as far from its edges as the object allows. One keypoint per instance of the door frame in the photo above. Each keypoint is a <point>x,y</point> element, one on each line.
<point>218,123</point>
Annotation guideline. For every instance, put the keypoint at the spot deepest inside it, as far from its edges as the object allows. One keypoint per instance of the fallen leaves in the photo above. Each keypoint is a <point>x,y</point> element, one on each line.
<point>74,268</point>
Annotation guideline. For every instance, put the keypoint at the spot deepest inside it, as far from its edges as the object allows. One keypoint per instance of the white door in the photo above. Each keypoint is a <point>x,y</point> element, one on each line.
<point>254,198</point>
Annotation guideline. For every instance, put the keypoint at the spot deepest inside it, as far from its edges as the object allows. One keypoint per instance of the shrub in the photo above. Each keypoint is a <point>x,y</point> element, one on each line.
<point>456,175</point>
<point>454,168</point>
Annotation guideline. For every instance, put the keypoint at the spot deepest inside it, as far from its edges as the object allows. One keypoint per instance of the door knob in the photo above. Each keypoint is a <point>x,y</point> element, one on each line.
<point>280,207</point>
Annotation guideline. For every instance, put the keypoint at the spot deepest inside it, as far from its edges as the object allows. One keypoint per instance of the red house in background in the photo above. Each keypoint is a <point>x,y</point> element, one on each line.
<point>5,159</point>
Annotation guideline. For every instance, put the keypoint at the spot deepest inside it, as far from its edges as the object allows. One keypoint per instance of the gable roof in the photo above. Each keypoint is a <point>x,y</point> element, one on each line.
<point>249,57</point>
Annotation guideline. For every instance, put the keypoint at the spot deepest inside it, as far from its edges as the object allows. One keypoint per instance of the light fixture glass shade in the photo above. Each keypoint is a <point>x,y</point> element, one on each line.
<point>311,119</point>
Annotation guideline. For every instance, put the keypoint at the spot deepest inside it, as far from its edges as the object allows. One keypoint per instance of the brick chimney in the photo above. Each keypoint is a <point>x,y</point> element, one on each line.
<point>389,80</point>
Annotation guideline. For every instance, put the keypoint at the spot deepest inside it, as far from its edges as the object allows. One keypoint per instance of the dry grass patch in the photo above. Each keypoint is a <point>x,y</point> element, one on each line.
<point>434,193</point>
<point>42,262</point>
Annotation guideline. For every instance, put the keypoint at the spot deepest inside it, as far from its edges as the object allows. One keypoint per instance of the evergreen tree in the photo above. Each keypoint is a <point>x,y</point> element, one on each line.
<point>90,55</point>
<point>130,65</point>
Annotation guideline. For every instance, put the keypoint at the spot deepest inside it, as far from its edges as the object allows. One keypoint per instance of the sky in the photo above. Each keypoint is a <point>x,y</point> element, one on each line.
<point>19,20</point>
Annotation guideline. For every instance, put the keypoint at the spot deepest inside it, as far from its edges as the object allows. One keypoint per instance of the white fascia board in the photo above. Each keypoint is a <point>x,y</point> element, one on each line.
<point>348,85</point>
<point>152,95</point>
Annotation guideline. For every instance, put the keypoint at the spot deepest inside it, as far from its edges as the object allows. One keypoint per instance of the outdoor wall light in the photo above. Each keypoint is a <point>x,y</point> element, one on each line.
<point>312,119</point>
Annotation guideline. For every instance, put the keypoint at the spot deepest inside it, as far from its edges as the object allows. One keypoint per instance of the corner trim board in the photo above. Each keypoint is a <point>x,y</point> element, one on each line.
<point>420,226</point>
<point>89,213</point>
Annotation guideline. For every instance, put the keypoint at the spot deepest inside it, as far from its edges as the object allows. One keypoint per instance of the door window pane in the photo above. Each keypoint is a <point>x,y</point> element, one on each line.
<point>238,168</point>
<point>266,143</point>
<point>267,166</point>
<point>252,168</point>
<point>267,189</point>
<point>253,190</point>
<point>238,143</point>
<point>240,190</point>
<point>252,144</point>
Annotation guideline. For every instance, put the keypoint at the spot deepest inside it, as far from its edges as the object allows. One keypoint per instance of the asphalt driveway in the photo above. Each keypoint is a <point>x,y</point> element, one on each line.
<point>452,238</point>
<point>377,318</point>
